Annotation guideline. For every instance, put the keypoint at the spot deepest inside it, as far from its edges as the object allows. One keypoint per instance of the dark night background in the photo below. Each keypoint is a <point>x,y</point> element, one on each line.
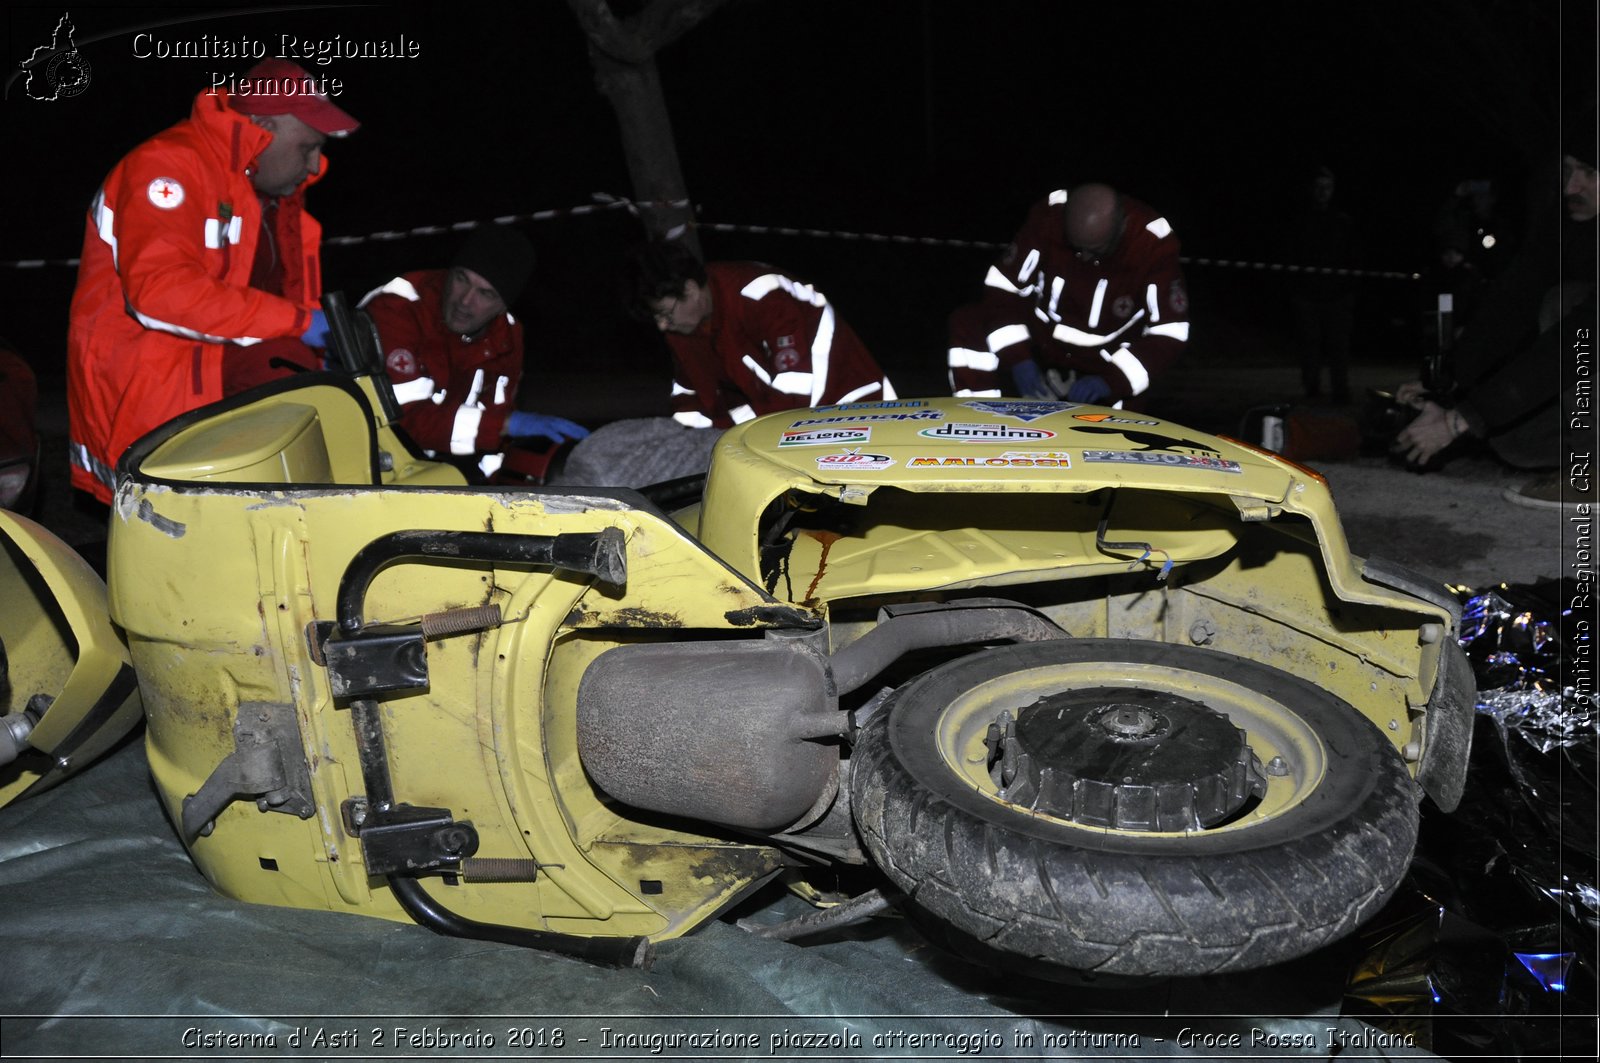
<point>924,118</point>
<point>907,117</point>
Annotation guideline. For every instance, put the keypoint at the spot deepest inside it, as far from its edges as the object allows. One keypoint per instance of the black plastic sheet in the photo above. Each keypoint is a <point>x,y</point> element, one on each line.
<point>114,946</point>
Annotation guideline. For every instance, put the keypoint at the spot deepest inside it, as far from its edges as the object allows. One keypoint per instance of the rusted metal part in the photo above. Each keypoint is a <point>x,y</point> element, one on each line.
<point>379,660</point>
<point>826,539</point>
<point>500,869</point>
<point>460,621</point>
<point>772,616</point>
<point>267,763</point>
<point>856,910</point>
<point>405,839</point>
<point>640,617</point>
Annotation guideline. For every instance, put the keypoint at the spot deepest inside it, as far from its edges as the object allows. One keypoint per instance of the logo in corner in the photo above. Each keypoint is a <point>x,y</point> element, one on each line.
<point>57,71</point>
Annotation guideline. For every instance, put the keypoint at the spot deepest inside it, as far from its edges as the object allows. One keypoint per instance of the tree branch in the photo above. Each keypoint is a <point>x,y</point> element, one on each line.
<point>638,38</point>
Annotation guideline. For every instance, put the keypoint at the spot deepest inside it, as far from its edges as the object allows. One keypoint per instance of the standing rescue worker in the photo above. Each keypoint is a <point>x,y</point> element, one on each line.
<point>197,249</point>
<point>453,351</point>
<point>1087,304</point>
<point>746,340</point>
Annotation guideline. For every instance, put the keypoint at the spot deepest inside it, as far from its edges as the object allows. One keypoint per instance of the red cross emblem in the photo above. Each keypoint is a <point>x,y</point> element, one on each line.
<point>165,193</point>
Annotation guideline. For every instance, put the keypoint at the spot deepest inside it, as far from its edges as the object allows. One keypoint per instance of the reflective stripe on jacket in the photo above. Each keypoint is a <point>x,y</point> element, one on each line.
<point>163,282</point>
<point>771,343</point>
<point>455,393</point>
<point>1124,319</point>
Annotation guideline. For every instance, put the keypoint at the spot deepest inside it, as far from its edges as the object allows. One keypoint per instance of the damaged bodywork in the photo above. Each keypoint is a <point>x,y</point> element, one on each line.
<point>1118,700</point>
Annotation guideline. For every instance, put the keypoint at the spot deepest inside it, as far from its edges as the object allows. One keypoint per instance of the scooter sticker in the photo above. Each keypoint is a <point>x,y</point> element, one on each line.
<point>853,461</point>
<point>924,415</point>
<point>963,432</point>
<point>1022,411</point>
<point>1012,459</point>
<point>1147,440</point>
<point>1111,418</point>
<point>821,437</point>
<point>1163,457</point>
<point>903,404</point>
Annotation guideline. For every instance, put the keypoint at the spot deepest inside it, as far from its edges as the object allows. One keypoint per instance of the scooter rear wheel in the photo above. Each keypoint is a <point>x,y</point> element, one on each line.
<point>1092,803</point>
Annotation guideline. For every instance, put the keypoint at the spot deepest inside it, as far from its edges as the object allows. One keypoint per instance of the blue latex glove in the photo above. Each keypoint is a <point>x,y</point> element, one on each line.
<point>1030,382</point>
<point>317,334</point>
<point>522,424</point>
<point>1092,389</point>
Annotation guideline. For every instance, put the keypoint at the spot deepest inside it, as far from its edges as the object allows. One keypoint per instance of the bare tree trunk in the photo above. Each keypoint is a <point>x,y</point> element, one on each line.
<point>623,54</point>
<point>648,147</point>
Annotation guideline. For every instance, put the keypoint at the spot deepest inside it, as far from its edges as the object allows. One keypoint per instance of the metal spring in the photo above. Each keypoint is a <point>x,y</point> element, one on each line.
<point>499,869</point>
<point>457,621</point>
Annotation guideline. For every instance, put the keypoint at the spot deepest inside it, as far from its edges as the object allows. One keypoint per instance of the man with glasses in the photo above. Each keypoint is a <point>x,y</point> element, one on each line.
<point>746,340</point>
<point>1086,304</point>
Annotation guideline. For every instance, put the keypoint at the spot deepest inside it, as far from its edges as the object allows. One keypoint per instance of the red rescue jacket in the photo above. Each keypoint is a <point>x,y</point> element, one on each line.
<point>455,393</point>
<point>164,280</point>
<point>770,343</point>
<point>1124,319</point>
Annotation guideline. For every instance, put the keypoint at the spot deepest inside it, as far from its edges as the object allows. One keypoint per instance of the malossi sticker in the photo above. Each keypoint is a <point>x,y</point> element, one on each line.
<point>1012,460</point>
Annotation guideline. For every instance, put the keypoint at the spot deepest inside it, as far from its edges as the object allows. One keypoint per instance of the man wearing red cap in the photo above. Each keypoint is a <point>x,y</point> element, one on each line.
<point>453,352</point>
<point>198,259</point>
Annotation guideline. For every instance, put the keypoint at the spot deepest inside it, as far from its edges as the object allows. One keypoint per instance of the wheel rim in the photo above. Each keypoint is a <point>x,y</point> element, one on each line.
<point>1286,744</point>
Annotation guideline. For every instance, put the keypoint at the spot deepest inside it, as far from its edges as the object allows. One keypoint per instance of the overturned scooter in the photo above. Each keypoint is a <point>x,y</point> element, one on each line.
<point>1088,688</point>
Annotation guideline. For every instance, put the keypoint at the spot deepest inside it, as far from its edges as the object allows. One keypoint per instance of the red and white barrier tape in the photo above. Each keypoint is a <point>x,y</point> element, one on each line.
<point>606,202</point>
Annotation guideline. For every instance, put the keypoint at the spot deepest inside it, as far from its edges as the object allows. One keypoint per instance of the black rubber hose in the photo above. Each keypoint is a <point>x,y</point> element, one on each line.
<point>870,654</point>
<point>600,951</point>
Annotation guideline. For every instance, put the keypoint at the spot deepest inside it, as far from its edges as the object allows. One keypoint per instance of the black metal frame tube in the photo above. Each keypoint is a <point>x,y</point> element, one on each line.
<point>373,753</point>
<point>604,952</point>
<point>892,639</point>
<point>599,554</point>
